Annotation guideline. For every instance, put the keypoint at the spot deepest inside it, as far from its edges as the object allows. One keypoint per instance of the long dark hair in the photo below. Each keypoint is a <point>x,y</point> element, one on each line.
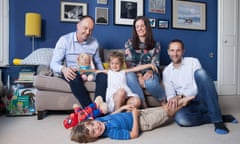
<point>149,41</point>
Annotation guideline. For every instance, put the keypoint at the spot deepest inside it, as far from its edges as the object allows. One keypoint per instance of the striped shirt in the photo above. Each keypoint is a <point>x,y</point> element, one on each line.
<point>68,48</point>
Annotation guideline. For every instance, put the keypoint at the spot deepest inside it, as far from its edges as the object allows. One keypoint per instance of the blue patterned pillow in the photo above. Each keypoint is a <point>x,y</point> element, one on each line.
<point>41,56</point>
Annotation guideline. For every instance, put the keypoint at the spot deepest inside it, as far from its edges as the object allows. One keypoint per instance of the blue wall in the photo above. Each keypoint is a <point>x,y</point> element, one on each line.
<point>197,43</point>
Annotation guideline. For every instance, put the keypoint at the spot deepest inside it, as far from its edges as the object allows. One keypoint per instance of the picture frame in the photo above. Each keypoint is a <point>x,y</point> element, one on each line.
<point>163,24</point>
<point>72,11</point>
<point>152,22</point>
<point>157,6</point>
<point>127,10</point>
<point>189,15</point>
<point>101,15</point>
<point>102,2</point>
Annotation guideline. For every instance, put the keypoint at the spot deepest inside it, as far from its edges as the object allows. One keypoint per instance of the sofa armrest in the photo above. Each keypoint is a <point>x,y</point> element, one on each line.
<point>44,70</point>
<point>50,83</point>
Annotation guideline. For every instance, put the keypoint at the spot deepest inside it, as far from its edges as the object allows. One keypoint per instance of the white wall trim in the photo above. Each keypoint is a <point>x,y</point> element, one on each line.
<point>4,32</point>
<point>238,88</point>
<point>228,48</point>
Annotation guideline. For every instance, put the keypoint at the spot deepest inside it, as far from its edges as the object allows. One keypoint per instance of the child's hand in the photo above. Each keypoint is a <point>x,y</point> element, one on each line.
<point>154,68</point>
<point>128,107</point>
<point>136,112</point>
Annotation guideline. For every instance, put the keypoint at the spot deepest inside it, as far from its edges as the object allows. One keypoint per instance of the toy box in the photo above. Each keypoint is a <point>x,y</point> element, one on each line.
<point>21,103</point>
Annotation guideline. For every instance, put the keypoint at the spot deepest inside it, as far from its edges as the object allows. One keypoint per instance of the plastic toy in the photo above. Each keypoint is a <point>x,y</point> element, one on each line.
<point>92,111</point>
<point>85,66</point>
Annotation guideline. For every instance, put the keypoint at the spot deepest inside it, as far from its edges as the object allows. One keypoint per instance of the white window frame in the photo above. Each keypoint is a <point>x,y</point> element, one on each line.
<point>4,32</point>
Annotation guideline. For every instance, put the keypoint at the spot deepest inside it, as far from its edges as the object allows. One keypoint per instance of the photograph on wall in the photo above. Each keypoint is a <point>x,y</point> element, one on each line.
<point>188,15</point>
<point>127,10</point>
<point>152,22</point>
<point>101,15</point>
<point>157,6</point>
<point>102,2</point>
<point>72,11</point>
<point>162,24</point>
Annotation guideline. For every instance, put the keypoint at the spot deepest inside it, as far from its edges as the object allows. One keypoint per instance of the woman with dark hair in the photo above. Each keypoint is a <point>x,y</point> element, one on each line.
<point>143,49</point>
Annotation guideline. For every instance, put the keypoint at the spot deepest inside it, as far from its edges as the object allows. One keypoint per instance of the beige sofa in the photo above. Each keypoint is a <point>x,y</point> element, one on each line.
<point>54,93</point>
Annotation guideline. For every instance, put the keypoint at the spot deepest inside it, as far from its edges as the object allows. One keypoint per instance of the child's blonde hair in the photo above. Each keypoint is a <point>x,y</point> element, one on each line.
<point>116,54</point>
<point>80,132</point>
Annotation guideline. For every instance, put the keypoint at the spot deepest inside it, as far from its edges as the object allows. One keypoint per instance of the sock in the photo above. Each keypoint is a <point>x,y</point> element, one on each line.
<point>220,128</point>
<point>229,118</point>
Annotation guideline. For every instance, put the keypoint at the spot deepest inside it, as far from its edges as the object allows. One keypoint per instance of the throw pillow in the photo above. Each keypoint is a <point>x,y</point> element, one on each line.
<point>41,56</point>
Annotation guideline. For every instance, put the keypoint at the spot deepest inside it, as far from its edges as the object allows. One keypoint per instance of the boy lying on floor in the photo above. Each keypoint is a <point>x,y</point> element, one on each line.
<point>125,125</point>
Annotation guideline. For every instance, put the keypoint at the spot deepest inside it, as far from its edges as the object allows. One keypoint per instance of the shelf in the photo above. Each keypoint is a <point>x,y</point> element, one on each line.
<point>23,81</point>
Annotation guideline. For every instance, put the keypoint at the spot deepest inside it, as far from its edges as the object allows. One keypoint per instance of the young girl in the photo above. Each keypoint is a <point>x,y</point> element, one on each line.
<point>125,125</point>
<point>118,93</point>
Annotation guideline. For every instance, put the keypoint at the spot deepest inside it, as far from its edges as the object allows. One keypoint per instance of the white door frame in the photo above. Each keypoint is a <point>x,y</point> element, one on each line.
<point>228,48</point>
<point>238,88</point>
<point>4,32</point>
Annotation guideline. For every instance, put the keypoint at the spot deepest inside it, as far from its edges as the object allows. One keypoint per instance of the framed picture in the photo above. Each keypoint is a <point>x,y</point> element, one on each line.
<point>101,15</point>
<point>152,22</point>
<point>163,24</point>
<point>157,6</point>
<point>188,15</point>
<point>127,10</point>
<point>72,11</point>
<point>102,2</point>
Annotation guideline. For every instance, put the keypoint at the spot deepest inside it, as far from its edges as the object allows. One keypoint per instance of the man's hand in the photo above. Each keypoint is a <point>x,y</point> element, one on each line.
<point>173,102</point>
<point>69,73</point>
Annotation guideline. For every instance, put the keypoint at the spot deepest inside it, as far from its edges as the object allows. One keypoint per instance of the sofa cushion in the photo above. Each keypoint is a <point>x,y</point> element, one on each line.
<point>51,83</point>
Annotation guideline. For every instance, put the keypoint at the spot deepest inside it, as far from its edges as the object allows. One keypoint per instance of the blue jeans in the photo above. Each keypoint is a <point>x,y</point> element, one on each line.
<point>204,108</point>
<point>152,86</point>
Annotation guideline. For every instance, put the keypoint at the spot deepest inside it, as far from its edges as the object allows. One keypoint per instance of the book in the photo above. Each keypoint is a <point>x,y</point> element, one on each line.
<point>25,76</point>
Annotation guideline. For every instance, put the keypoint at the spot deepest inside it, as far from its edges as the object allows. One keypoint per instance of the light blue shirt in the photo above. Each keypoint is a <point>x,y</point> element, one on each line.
<point>68,48</point>
<point>178,81</point>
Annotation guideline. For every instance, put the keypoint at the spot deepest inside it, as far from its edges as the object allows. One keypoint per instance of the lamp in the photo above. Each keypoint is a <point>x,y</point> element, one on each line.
<point>33,26</point>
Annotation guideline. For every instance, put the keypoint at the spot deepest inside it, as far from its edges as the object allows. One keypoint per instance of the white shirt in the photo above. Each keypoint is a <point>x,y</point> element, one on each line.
<point>180,81</point>
<point>116,80</point>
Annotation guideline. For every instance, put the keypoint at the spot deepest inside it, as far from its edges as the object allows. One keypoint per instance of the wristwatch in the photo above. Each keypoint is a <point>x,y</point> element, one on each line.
<point>181,96</point>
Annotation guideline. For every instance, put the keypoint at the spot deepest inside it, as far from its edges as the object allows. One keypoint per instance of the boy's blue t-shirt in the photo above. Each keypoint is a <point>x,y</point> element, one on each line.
<point>118,126</point>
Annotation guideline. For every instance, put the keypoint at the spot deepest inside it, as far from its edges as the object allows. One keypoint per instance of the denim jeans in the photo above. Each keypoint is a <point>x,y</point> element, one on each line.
<point>81,93</point>
<point>204,108</point>
<point>152,86</point>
